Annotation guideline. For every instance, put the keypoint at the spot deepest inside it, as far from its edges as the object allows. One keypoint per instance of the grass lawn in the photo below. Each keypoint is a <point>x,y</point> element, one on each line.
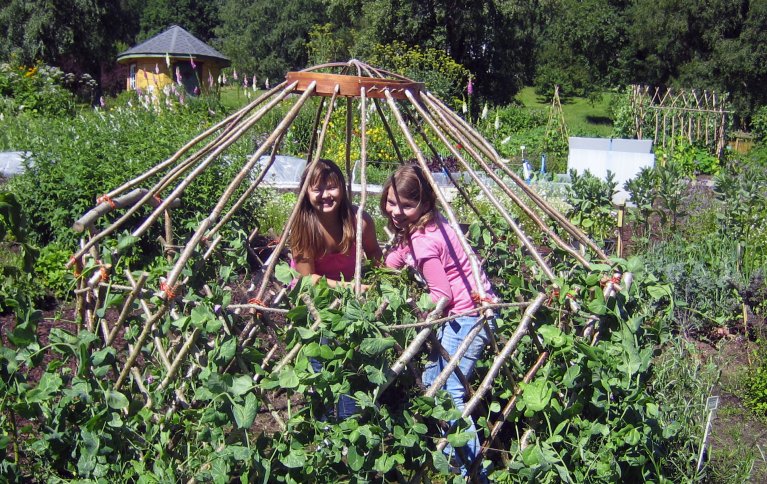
<point>581,117</point>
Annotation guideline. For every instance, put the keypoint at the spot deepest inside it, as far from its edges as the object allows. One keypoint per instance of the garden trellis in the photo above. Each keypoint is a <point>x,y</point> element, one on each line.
<point>162,353</point>
<point>698,116</point>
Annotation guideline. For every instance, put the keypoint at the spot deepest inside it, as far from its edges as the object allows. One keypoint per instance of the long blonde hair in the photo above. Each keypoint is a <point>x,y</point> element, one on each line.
<point>306,240</point>
<point>409,182</point>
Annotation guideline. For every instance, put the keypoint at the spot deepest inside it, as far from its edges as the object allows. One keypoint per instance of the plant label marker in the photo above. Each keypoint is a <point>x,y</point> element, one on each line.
<point>711,405</point>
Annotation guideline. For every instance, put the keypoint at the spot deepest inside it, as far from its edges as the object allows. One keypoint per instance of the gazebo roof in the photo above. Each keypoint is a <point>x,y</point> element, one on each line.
<point>175,42</point>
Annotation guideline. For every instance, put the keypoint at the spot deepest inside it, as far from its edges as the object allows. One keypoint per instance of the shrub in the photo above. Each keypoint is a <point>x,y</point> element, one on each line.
<point>76,160</point>
<point>443,76</point>
<point>37,89</point>
<point>592,205</point>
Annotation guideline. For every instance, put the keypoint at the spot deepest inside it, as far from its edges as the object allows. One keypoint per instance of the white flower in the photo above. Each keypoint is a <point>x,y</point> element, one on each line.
<point>497,123</point>
<point>484,112</point>
<point>464,108</point>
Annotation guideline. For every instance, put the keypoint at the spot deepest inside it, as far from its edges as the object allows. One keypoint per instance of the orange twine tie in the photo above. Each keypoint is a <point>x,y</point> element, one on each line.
<point>76,265</point>
<point>552,296</point>
<point>477,299</point>
<point>106,199</point>
<point>168,290</point>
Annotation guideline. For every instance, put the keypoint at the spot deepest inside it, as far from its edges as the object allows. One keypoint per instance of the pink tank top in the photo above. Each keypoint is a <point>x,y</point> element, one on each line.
<point>334,266</point>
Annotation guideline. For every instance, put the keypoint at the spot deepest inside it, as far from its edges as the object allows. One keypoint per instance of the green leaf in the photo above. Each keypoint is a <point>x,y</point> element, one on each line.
<point>49,384</point>
<point>659,291</point>
<point>241,385</point>
<point>459,439</point>
<point>354,459</point>
<point>284,273</point>
<point>440,462</point>
<point>375,346</point>
<point>116,400</point>
<point>288,378</point>
<point>296,458</point>
<point>386,462</point>
<point>536,395</point>
<point>126,241</point>
<point>245,415</point>
<point>312,350</point>
<point>552,335</point>
<point>306,333</point>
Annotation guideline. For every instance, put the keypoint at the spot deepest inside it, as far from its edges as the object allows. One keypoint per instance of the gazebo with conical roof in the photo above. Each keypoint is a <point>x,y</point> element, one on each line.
<point>169,55</point>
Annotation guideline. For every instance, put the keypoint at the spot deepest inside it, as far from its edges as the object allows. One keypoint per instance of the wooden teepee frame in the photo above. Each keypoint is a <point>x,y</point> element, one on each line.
<point>417,113</point>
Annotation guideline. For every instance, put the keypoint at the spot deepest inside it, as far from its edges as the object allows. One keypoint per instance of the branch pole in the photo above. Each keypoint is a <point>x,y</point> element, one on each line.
<point>363,195</point>
<point>179,189</point>
<point>412,349</point>
<point>508,349</point>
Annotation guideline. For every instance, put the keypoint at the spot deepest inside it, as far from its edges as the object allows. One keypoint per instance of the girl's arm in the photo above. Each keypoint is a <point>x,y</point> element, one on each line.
<point>369,241</point>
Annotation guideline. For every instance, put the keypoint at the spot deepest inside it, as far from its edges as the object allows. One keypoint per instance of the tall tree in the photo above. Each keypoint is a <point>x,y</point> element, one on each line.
<point>268,37</point>
<point>78,35</point>
<point>200,18</point>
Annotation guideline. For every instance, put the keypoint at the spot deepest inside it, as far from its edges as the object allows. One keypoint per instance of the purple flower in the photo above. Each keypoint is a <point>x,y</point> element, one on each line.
<point>470,87</point>
<point>210,80</point>
<point>196,91</point>
<point>156,68</point>
<point>101,102</point>
<point>191,61</point>
<point>178,75</point>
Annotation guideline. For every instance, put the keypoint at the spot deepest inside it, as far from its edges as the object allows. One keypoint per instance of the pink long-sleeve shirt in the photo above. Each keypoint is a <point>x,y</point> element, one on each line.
<point>437,254</point>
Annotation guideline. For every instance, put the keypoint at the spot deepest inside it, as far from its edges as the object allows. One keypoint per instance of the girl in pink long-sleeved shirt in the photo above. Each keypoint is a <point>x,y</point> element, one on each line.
<point>429,245</point>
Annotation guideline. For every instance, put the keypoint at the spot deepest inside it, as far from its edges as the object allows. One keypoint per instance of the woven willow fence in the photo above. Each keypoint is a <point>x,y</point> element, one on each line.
<point>402,105</point>
<point>695,115</point>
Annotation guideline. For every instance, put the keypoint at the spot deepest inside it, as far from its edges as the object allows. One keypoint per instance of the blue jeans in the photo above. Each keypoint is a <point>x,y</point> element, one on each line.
<point>451,335</point>
<point>346,406</point>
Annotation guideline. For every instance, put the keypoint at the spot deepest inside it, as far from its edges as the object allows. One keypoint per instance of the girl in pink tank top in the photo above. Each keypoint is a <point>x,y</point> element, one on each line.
<point>323,235</point>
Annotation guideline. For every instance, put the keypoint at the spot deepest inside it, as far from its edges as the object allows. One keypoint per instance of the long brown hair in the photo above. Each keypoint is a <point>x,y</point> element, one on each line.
<point>409,182</point>
<point>306,240</point>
